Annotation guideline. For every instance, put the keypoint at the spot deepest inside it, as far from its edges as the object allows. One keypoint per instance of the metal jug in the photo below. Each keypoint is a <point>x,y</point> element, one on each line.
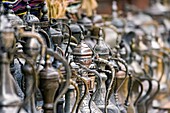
<point>49,83</point>
<point>9,100</point>
<point>82,54</point>
<point>103,51</point>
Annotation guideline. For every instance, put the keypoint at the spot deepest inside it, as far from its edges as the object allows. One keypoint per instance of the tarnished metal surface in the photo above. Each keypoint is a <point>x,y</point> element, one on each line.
<point>78,64</point>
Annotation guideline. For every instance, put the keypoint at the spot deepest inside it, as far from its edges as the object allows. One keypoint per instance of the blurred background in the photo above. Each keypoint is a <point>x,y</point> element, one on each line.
<point>105,6</point>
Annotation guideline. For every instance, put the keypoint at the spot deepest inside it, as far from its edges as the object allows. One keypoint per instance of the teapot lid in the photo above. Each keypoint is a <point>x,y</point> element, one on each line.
<point>85,21</point>
<point>15,20</point>
<point>101,48</point>
<point>28,17</point>
<point>82,49</point>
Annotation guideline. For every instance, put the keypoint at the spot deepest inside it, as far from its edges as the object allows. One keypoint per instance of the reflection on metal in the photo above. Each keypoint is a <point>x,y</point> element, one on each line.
<point>157,9</point>
<point>9,101</point>
<point>82,54</point>
<point>83,64</point>
<point>49,83</point>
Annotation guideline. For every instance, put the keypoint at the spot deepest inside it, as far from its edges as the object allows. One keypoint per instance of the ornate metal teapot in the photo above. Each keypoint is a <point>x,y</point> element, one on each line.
<point>10,102</point>
<point>82,54</point>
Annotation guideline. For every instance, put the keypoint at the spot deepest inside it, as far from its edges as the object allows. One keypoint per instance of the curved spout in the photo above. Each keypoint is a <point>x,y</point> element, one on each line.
<point>85,92</point>
<point>34,85</point>
<point>126,104</point>
<point>98,82</point>
<point>77,97</point>
<point>34,71</point>
<point>111,82</point>
<point>126,74</point>
<point>140,94</point>
<point>150,54</point>
<point>69,40</point>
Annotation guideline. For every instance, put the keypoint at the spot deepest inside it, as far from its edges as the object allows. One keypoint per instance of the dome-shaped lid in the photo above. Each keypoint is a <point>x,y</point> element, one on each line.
<point>101,48</point>
<point>14,19</point>
<point>118,22</point>
<point>82,49</point>
<point>85,21</point>
<point>97,19</point>
<point>56,36</point>
<point>55,32</point>
<point>30,18</point>
<point>75,28</point>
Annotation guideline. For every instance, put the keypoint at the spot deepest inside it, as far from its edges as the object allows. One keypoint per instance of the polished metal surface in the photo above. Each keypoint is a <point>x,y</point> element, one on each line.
<point>9,100</point>
<point>115,63</point>
<point>49,83</point>
<point>101,48</point>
